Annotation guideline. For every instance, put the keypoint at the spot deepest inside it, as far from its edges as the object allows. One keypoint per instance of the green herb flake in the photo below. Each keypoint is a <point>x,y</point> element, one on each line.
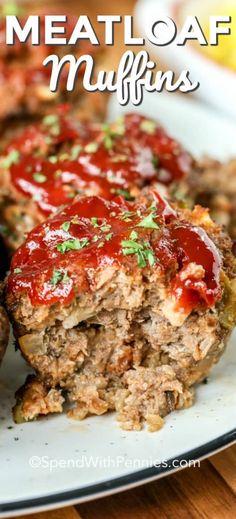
<point>52,159</point>
<point>92,147</point>
<point>65,226</point>
<point>155,161</point>
<point>108,142</point>
<point>75,151</point>
<point>118,128</point>
<point>143,254</point>
<point>39,178</point>
<point>17,270</point>
<point>108,236</point>
<point>148,126</point>
<point>127,216</point>
<point>95,238</point>
<point>74,244</point>
<point>94,222</point>
<point>148,222</point>
<point>50,120</point>
<point>122,192</point>
<point>59,276</point>
<point>130,247</point>
<point>12,158</point>
<point>105,227</point>
<point>134,235</point>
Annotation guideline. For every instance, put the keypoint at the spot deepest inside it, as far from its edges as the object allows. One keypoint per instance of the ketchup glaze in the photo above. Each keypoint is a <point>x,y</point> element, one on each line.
<point>94,233</point>
<point>60,158</point>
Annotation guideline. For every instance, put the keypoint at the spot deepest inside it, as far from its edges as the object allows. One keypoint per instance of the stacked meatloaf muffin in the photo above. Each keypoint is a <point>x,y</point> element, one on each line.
<point>121,305</point>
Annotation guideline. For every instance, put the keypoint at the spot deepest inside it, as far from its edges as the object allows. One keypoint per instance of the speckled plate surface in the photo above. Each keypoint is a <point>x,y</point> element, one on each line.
<point>56,461</point>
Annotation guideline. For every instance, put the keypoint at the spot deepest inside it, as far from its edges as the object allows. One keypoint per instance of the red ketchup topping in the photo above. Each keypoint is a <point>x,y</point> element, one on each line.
<point>59,159</point>
<point>94,233</point>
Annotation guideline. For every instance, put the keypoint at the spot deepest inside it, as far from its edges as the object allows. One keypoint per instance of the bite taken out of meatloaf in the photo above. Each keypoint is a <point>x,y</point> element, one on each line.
<point>120,305</point>
<point>51,162</point>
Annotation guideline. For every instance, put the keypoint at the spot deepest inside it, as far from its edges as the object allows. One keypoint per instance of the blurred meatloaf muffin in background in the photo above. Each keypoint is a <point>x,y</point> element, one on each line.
<point>4,325</point>
<point>51,162</point>
<point>213,185</point>
<point>121,305</point>
<point>24,81</point>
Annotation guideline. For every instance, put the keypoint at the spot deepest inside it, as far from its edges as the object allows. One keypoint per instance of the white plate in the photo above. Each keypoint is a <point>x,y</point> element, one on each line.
<point>123,459</point>
<point>217,83</point>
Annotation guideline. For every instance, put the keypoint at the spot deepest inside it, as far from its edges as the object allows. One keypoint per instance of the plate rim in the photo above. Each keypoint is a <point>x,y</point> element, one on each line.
<point>119,484</point>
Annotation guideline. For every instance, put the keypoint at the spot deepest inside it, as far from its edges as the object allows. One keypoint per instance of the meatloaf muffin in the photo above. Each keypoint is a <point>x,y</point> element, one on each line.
<point>53,161</point>
<point>24,81</point>
<point>213,184</point>
<point>4,326</point>
<point>120,305</point>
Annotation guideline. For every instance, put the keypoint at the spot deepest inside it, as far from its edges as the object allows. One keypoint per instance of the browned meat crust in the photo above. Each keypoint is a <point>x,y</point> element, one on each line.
<point>120,343</point>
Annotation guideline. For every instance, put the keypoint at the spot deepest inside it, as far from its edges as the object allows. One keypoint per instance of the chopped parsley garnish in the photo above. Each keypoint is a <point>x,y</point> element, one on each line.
<point>105,227</point>
<point>92,147</point>
<point>52,159</point>
<point>74,244</point>
<point>111,132</point>
<point>65,226</point>
<point>148,222</point>
<point>148,126</point>
<point>59,276</point>
<point>75,151</point>
<point>123,192</point>
<point>130,246</point>
<point>155,161</point>
<point>11,158</point>
<point>53,122</point>
<point>142,251</point>
<point>134,235</point>
<point>127,215</point>
<point>39,178</point>
<point>108,236</point>
<point>94,222</point>
<point>51,119</point>
<point>17,270</point>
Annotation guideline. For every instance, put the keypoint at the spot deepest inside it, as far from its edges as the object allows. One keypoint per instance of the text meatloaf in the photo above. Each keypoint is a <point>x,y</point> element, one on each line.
<point>24,81</point>
<point>51,162</point>
<point>120,305</point>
